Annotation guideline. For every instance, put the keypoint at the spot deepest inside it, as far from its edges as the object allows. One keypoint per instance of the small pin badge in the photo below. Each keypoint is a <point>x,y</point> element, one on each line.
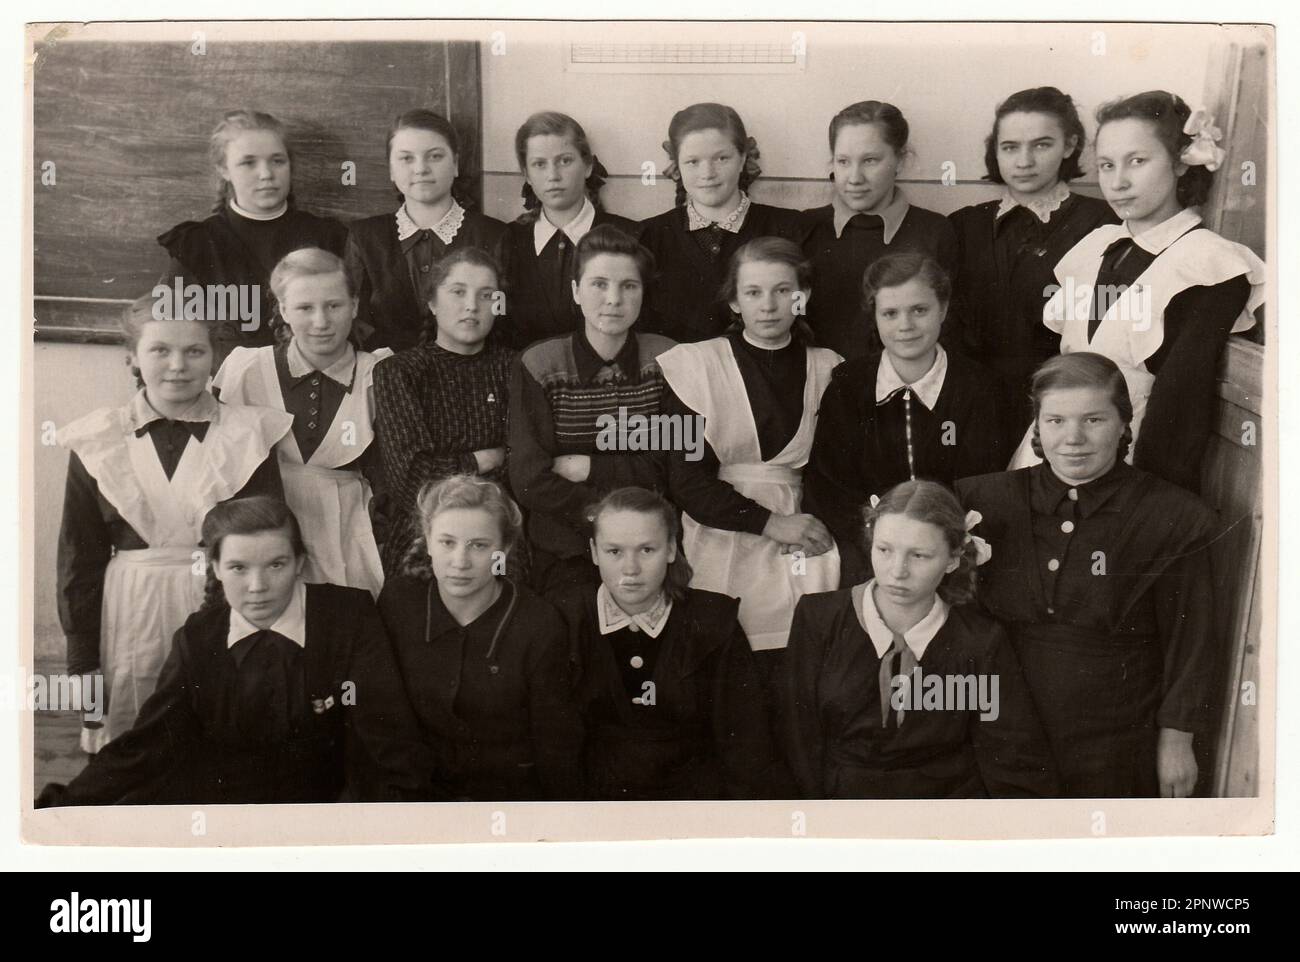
<point>492,398</point>
<point>321,705</point>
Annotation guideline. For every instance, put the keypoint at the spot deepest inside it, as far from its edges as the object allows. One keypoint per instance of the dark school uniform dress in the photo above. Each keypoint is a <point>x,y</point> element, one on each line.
<point>1106,592</point>
<point>391,260</point>
<point>492,697</point>
<point>539,292</point>
<point>841,246</point>
<point>230,248</point>
<point>1161,305</point>
<point>560,391</point>
<point>267,719</point>
<point>865,443</point>
<point>1003,279</point>
<point>840,742</point>
<point>691,259</point>
<point>680,715</point>
<point>433,409</point>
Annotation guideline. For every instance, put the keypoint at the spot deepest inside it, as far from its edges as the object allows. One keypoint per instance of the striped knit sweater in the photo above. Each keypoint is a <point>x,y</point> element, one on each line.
<point>560,389</point>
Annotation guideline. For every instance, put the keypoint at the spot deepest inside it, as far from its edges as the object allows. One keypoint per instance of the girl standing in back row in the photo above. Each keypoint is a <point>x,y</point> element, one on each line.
<point>254,224</point>
<point>562,181</point>
<point>714,162</point>
<point>1006,248</point>
<point>867,218</point>
<point>1160,293</point>
<point>392,255</point>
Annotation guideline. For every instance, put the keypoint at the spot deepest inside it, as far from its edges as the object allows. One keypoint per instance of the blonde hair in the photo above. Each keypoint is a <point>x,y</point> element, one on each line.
<point>304,262</point>
<point>234,123</point>
<point>470,491</point>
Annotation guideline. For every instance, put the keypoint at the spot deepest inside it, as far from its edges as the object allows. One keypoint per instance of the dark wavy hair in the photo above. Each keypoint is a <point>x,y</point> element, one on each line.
<point>442,269</point>
<point>244,516</point>
<point>709,116</point>
<point>608,239</point>
<point>768,250</point>
<point>1039,100</point>
<point>554,123</point>
<point>893,125</point>
<point>422,119</point>
<point>1167,113</point>
<point>1082,369</point>
<point>645,501</point>
<point>932,503</point>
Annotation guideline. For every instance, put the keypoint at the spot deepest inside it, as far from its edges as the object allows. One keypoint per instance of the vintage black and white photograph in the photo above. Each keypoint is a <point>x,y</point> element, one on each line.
<point>875,421</point>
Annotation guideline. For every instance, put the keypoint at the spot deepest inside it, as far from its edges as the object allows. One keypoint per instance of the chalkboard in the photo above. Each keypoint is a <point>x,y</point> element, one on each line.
<point>121,129</point>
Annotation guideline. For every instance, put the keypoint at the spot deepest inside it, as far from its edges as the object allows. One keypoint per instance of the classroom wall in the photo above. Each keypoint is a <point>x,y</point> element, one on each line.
<point>946,79</point>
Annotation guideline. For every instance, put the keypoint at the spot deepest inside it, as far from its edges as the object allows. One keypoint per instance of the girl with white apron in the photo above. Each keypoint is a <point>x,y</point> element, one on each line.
<point>742,529</point>
<point>317,376</point>
<point>1132,328</point>
<point>326,491</point>
<point>1159,294</point>
<point>148,592</point>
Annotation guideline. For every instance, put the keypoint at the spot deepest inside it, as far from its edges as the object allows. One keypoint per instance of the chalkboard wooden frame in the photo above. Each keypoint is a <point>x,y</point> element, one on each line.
<point>126,125</point>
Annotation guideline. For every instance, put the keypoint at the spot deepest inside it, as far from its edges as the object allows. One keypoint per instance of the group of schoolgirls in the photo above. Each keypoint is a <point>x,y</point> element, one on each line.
<point>717,623</point>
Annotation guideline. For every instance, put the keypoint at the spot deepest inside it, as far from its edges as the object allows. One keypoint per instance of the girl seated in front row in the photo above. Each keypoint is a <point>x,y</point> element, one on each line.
<point>756,391</point>
<point>484,660</point>
<point>862,717</point>
<point>671,700</point>
<point>140,480</point>
<point>564,393</point>
<point>908,410</point>
<point>274,691</point>
<point>316,375</point>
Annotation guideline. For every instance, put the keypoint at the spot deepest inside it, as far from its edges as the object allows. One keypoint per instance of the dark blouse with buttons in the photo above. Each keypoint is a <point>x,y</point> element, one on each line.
<point>313,399</point>
<point>1003,278</point>
<point>704,732</point>
<point>684,302</point>
<point>1106,590</point>
<point>492,697</point>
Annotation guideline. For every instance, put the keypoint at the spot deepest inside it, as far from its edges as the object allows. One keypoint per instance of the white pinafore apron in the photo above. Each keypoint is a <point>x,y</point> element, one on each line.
<point>332,505</point>
<point>149,592</point>
<point>745,566</point>
<point>1133,329</point>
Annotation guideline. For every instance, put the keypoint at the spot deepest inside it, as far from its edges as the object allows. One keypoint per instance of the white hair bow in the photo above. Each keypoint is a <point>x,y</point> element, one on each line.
<point>983,551</point>
<point>1204,150</point>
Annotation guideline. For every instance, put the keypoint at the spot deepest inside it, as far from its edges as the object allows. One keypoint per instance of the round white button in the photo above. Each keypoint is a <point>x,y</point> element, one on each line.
<point>636,661</point>
<point>1073,494</point>
<point>1053,565</point>
<point>633,627</point>
<point>1067,526</point>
